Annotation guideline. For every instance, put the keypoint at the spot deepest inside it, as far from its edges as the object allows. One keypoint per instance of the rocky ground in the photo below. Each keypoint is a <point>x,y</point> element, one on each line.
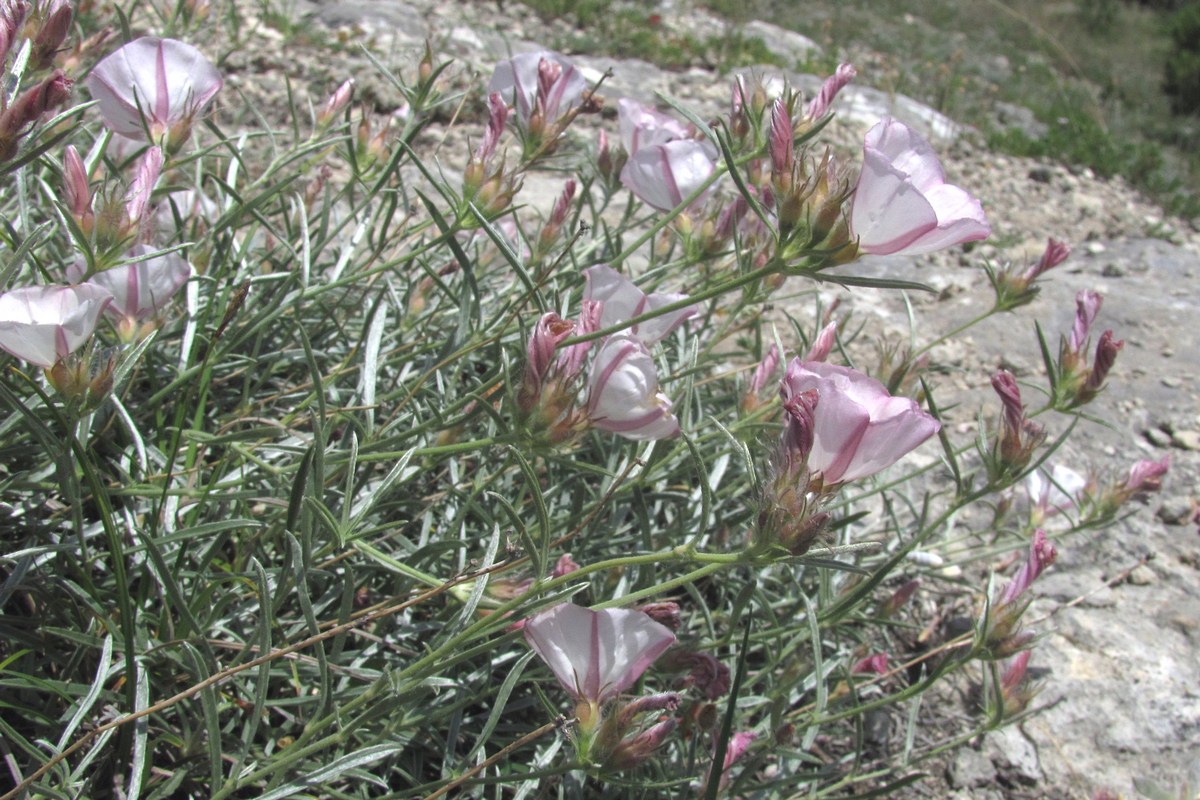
<point>1119,667</point>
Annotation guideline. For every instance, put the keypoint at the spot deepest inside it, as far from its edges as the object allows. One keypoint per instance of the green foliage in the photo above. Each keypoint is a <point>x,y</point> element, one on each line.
<point>282,552</point>
<point>1182,83</point>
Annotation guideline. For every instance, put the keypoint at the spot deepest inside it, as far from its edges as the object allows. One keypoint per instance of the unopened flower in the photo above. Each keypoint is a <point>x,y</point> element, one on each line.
<point>558,216</point>
<point>820,105</point>
<point>53,28</point>
<point>902,203</point>
<point>623,393</point>
<point>1015,693</point>
<point>29,107</point>
<point>876,664</point>
<point>664,175</point>
<point>1003,634</point>
<point>898,599</point>
<point>822,345</point>
<point>1015,287</point>
<point>621,300</point>
<point>154,86</point>
<point>1019,436</point>
<point>45,324</point>
<point>763,373</point>
<point>596,655</point>
<point>859,429</point>
<point>335,104</point>
<point>735,749</point>
<point>77,190</point>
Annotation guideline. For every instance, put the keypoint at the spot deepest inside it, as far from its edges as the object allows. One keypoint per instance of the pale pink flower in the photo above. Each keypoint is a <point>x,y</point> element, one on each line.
<point>596,655</point>
<point>1057,491</point>
<point>859,429</point>
<point>644,127</point>
<point>155,84</point>
<point>544,79</point>
<point>664,175</point>
<point>623,393</point>
<point>44,324</point>
<point>902,203</point>
<point>622,300</point>
<point>140,289</point>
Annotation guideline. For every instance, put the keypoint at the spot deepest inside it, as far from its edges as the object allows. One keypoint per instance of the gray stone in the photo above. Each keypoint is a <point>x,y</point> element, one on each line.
<point>1158,437</point>
<point>1014,756</point>
<point>1176,510</point>
<point>792,47</point>
<point>970,769</point>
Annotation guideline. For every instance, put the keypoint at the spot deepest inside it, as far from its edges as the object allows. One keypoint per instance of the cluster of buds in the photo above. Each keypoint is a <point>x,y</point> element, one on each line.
<point>1018,436</point>
<point>547,92</point>
<point>623,395</point>
<point>1074,382</point>
<point>596,656</point>
<point>808,196</point>
<point>1001,629</point>
<point>110,224</point>
<point>486,183</point>
<point>840,426</point>
<point>1016,287</point>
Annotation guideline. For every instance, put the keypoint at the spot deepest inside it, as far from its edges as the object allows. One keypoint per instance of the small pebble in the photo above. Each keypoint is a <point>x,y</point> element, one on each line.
<point>1142,575</point>
<point>1158,437</point>
<point>1186,440</point>
<point>1176,510</point>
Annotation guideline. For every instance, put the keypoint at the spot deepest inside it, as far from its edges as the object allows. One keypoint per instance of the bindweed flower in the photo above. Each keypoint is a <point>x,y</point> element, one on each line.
<point>1018,436</point>
<point>596,655</point>
<point>140,289</point>
<point>45,324</point>
<point>859,429</point>
<point>1054,492</point>
<point>664,175</point>
<point>547,92</point>
<point>621,300</point>
<point>902,203</point>
<point>1015,287</point>
<point>154,86</point>
<point>644,127</point>
<point>623,393</point>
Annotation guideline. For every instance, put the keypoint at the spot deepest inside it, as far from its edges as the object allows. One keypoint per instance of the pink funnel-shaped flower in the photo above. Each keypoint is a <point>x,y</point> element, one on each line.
<point>664,175</point>
<point>165,81</point>
<point>644,127</point>
<point>902,203</point>
<point>44,324</point>
<point>622,301</point>
<point>142,288</point>
<point>596,655</point>
<point>524,81</point>
<point>859,428</point>
<point>623,395</point>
